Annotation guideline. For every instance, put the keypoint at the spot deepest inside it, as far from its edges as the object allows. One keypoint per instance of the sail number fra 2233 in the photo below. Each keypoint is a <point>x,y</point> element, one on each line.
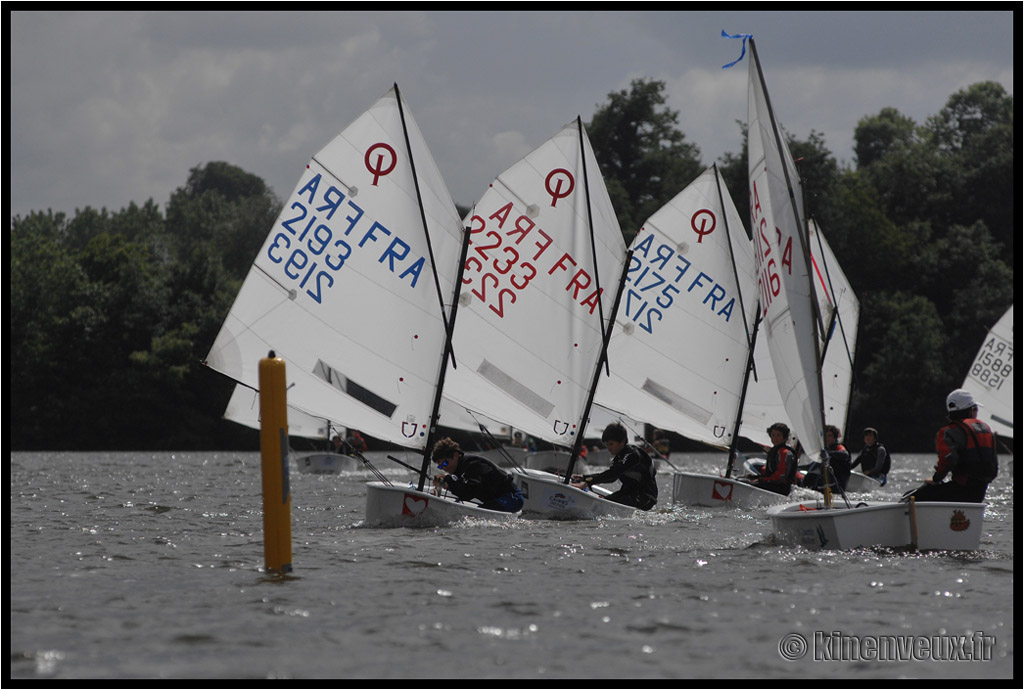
<point>502,264</point>
<point>312,248</point>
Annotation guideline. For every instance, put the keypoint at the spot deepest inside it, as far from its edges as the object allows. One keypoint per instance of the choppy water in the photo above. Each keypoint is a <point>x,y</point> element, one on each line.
<point>149,566</point>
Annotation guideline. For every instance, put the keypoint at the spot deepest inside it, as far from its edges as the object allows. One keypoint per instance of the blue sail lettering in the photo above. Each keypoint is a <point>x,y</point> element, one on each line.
<point>310,187</point>
<point>332,200</point>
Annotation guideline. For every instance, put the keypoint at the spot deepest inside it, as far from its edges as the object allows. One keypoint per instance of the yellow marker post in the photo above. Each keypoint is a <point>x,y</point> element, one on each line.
<point>277,526</point>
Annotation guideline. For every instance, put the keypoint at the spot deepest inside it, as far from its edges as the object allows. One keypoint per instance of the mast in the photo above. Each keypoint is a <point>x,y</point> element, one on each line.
<point>801,231</point>
<point>590,224</point>
<point>743,395</point>
<point>449,321</point>
<point>450,330</point>
<point>605,329</point>
<point>423,213</point>
<point>751,336</point>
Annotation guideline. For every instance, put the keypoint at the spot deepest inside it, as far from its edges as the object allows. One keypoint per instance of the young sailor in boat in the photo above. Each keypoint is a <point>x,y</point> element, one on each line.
<point>473,477</point>
<point>838,463</point>
<point>779,470</point>
<point>631,465</point>
<point>873,459</point>
<point>967,450</point>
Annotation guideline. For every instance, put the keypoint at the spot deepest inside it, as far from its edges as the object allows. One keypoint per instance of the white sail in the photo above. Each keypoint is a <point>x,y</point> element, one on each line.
<point>601,416</point>
<point>679,350</point>
<point>834,294</point>
<point>455,416</point>
<point>990,378</point>
<point>790,321</point>
<point>529,330</point>
<point>344,287</point>
<point>244,408</point>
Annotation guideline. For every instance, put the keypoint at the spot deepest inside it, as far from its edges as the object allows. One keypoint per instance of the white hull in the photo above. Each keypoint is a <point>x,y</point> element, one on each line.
<point>326,463</point>
<point>940,526</point>
<point>403,506</point>
<point>553,462</point>
<point>690,488</point>
<point>547,496</point>
<point>861,483</point>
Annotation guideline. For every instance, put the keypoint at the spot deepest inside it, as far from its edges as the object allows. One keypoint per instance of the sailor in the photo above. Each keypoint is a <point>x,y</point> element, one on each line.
<point>471,477</point>
<point>779,470</point>
<point>631,465</point>
<point>873,459</point>
<point>838,463</point>
<point>967,451</point>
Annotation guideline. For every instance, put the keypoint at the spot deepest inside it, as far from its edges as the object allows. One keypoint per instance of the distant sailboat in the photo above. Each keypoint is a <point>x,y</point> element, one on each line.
<point>990,377</point>
<point>244,408</point>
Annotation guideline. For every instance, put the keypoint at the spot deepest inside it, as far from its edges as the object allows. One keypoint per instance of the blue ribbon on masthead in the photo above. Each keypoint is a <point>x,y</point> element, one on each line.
<point>742,52</point>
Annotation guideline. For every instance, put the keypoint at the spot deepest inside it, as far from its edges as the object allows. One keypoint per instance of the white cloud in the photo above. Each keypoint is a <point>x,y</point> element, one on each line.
<point>111,107</point>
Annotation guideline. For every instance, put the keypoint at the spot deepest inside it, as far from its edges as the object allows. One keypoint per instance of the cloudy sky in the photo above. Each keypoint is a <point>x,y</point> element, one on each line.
<point>108,108</point>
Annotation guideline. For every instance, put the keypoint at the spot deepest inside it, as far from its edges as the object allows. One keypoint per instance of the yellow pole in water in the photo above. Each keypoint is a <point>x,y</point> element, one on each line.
<point>277,527</point>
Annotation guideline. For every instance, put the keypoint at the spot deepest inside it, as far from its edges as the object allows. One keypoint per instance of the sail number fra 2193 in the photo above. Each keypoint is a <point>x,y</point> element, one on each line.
<point>311,247</point>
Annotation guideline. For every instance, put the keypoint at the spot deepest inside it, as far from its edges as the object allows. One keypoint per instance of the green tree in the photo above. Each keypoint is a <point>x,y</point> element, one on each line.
<point>47,313</point>
<point>111,314</point>
<point>927,196</point>
<point>900,379</point>
<point>975,132</point>
<point>644,158</point>
<point>881,134</point>
<point>224,210</point>
<point>216,223</point>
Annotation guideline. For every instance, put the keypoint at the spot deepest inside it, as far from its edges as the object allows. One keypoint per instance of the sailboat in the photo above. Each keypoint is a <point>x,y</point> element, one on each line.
<point>539,288</point>
<point>793,324</point>
<point>990,377</point>
<point>354,288</point>
<point>244,408</point>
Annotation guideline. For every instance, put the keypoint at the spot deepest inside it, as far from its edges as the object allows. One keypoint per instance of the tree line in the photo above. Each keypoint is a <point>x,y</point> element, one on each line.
<point>113,312</point>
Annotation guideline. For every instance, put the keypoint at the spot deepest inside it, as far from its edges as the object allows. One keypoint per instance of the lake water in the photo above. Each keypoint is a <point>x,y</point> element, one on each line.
<point>151,566</point>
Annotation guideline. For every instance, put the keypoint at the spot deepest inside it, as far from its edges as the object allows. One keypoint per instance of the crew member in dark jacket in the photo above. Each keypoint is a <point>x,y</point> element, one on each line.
<point>967,450</point>
<point>473,477</point>
<point>873,459</point>
<point>838,463</point>
<point>631,465</point>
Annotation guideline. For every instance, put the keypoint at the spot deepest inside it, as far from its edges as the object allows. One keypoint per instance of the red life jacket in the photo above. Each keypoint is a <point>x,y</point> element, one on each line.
<point>780,465</point>
<point>977,460</point>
